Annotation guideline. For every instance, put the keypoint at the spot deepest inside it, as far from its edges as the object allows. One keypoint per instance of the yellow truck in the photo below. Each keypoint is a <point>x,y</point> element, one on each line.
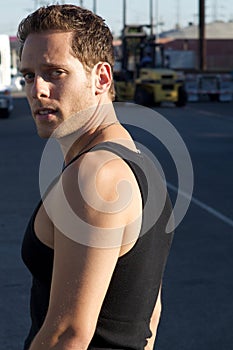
<point>144,76</point>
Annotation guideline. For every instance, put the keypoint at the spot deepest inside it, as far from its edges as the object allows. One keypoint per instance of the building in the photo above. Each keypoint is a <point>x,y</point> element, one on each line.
<point>182,46</point>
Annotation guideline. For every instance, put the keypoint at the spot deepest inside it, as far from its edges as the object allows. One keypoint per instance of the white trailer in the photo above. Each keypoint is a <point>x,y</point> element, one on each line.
<point>218,87</point>
<point>6,104</point>
<point>5,60</point>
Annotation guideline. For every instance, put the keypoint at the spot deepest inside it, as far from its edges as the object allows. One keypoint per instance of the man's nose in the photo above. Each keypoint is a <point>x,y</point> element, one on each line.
<point>40,88</point>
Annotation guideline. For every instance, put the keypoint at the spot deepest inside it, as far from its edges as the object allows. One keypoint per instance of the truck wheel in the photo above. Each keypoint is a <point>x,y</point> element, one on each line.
<point>182,97</point>
<point>214,97</point>
<point>143,97</point>
<point>4,113</point>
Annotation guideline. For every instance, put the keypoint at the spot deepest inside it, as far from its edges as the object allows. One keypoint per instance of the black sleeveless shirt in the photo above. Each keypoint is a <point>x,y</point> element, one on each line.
<point>124,319</point>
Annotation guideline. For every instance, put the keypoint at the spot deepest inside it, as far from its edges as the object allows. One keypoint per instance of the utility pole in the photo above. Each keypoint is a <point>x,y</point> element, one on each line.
<point>202,40</point>
<point>124,14</point>
<point>157,20</point>
<point>36,4</point>
<point>94,6</point>
<point>178,14</point>
<point>215,11</point>
<point>124,58</point>
<point>151,18</point>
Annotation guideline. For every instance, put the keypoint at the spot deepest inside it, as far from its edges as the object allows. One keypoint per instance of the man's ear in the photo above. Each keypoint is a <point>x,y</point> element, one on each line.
<point>103,77</point>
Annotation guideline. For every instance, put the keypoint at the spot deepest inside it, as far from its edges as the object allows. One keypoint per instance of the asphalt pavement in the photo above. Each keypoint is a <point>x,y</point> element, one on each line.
<point>198,284</point>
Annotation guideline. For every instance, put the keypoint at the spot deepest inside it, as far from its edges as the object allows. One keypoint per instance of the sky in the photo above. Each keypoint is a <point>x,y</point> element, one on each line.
<point>165,12</point>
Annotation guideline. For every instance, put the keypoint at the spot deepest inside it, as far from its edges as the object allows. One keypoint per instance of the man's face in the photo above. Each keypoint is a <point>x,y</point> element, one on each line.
<point>57,85</point>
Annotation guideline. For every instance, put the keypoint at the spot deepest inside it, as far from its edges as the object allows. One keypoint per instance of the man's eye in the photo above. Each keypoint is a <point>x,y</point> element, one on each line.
<point>28,77</point>
<point>57,73</point>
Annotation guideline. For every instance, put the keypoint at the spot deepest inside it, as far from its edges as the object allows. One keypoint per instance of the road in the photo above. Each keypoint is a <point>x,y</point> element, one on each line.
<point>198,284</point>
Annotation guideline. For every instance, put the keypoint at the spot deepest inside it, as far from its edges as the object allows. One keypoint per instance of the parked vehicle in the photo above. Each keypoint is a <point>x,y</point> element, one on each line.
<point>218,87</point>
<point>17,83</point>
<point>6,101</point>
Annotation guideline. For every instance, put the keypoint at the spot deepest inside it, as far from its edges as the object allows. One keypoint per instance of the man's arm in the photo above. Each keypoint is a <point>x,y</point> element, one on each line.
<point>82,271</point>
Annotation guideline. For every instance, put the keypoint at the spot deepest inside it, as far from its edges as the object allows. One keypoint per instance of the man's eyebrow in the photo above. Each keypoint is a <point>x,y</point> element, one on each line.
<point>24,70</point>
<point>54,65</point>
<point>44,66</point>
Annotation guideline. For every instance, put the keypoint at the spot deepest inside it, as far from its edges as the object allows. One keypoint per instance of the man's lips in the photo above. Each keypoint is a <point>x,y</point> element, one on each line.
<point>45,114</point>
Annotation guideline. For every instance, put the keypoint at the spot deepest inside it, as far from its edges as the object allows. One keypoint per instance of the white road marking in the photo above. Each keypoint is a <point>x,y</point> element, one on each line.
<point>211,114</point>
<point>204,206</point>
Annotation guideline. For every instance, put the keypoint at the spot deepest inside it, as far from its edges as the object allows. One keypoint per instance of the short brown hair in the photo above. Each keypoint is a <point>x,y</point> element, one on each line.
<point>92,39</point>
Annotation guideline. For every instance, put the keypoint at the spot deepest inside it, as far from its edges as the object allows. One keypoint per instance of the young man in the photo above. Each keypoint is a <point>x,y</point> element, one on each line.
<point>96,259</point>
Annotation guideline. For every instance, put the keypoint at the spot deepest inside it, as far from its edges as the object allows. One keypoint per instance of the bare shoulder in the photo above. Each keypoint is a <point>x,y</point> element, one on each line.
<point>104,179</point>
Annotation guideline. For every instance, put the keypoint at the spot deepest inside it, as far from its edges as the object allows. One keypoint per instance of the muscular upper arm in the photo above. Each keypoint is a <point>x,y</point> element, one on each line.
<point>81,277</point>
<point>83,261</point>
